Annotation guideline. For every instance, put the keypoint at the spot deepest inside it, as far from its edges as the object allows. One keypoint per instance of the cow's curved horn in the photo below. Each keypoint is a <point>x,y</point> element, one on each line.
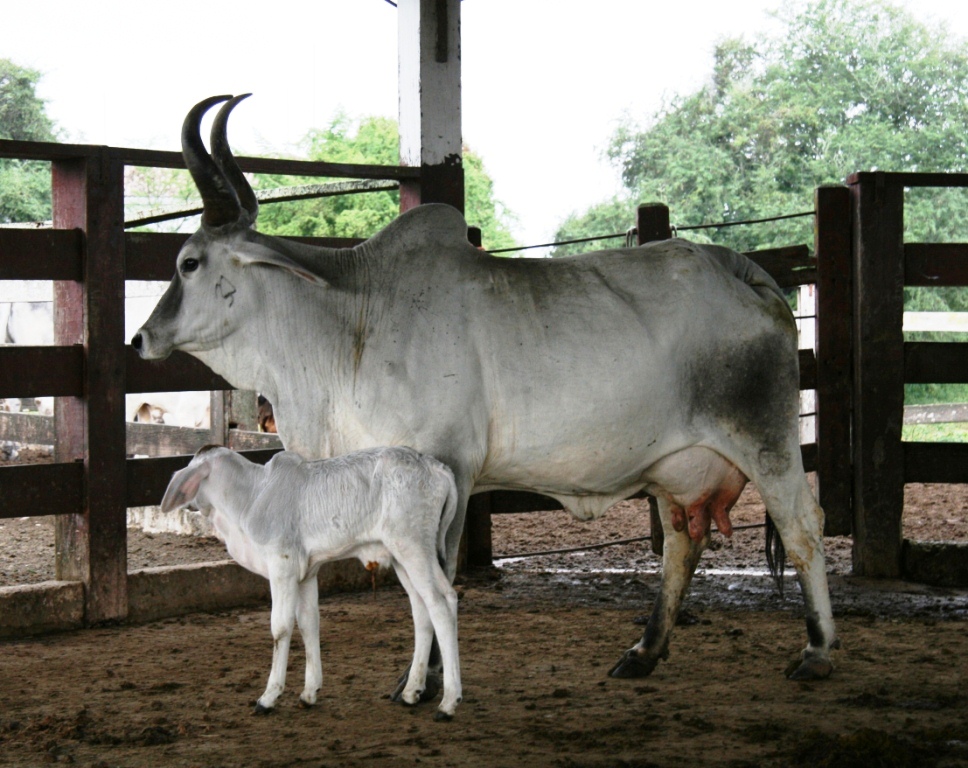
<point>223,157</point>
<point>219,199</point>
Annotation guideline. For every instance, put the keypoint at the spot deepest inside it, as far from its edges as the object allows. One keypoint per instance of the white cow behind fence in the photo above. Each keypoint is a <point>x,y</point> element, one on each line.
<point>29,321</point>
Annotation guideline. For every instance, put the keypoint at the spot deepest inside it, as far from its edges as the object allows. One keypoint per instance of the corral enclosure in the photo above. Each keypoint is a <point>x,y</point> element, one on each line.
<point>858,368</point>
<point>537,641</point>
<point>538,634</point>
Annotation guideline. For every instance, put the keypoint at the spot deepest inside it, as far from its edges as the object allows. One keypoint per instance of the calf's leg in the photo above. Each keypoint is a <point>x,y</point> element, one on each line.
<point>307,617</point>
<point>428,585</point>
<point>284,591</point>
<point>412,687</point>
<point>433,681</point>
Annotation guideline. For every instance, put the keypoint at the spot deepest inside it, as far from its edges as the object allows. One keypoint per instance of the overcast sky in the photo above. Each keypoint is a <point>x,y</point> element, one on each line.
<point>544,83</point>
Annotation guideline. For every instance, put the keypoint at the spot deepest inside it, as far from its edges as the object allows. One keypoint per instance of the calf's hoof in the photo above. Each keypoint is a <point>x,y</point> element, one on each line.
<point>411,700</point>
<point>261,710</point>
<point>810,668</point>
<point>442,717</point>
<point>633,665</point>
<point>432,686</point>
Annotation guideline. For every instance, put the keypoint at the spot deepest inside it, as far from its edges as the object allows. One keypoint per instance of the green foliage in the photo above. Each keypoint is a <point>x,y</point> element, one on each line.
<point>935,433</point>
<point>372,140</point>
<point>610,218</point>
<point>845,86</point>
<point>22,115</point>
<point>482,208</point>
<point>24,185</point>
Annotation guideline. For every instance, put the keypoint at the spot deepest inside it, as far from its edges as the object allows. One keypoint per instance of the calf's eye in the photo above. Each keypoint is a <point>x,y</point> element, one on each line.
<point>189,265</point>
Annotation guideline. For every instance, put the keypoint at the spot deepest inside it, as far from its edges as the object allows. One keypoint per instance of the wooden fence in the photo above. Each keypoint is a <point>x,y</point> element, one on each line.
<point>90,368</point>
<point>858,369</point>
<point>883,362</point>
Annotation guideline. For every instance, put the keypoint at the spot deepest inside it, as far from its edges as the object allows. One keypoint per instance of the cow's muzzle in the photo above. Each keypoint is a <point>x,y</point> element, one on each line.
<point>148,349</point>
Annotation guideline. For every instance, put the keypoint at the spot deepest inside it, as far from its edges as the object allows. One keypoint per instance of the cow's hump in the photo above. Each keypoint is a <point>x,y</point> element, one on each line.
<point>433,225</point>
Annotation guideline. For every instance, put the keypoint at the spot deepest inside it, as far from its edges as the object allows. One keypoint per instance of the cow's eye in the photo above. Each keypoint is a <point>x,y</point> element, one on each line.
<point>189,265</point>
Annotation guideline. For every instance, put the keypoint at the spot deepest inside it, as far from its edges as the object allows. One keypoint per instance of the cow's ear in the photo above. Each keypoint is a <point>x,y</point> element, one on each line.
<point>258,253</point>
<point>184,485</point>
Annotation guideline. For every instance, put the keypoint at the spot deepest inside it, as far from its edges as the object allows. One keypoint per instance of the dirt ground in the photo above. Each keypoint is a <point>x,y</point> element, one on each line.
<point>537,638</point>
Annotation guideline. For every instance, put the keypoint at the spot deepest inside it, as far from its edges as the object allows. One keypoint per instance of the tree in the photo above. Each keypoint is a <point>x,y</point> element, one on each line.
<point>843,86</point>
<point>372,140</point>
<point>24,185</point>
<point>609,218</point>
<point>847,85</point>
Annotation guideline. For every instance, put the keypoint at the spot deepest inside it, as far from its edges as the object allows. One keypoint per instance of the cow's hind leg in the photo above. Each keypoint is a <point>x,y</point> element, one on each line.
<point>680,555</point>
<point>799,521</point>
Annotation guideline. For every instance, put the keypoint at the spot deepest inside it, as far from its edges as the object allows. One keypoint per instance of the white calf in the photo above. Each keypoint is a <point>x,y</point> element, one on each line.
<point>283,520</point>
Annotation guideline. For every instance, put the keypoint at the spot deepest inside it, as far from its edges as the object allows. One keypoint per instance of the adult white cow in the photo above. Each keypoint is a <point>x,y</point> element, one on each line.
<point>671,367</point>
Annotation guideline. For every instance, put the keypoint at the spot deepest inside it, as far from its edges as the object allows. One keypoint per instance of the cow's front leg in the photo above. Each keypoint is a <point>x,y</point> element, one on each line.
<point>680,555</point>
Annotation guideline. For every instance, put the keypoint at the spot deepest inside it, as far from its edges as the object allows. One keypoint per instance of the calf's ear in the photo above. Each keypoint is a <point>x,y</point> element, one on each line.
<point>184,485</point>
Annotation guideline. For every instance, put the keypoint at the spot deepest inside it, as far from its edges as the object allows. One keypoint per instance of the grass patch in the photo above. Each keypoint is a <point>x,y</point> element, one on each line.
<point>935,433</point>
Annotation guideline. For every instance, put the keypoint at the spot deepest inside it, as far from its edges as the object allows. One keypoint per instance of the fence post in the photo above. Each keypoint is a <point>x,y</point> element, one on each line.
<point>652,223</point>
<point>91,543</point>
<point>832,246</point>
<point>232,409</point>
<point>878,293</point>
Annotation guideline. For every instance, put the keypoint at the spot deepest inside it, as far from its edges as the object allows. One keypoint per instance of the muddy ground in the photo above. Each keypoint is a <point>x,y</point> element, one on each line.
<point>537,638</point>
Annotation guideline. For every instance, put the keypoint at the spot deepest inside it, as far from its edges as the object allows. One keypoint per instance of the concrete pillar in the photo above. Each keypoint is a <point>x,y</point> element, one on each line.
<point>430,99</point>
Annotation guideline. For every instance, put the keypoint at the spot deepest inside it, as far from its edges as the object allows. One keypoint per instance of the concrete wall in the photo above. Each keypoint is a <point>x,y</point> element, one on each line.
<point>156,593</point>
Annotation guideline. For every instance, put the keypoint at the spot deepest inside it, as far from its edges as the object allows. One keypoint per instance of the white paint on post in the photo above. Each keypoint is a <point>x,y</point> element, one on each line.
<point>429,71</point>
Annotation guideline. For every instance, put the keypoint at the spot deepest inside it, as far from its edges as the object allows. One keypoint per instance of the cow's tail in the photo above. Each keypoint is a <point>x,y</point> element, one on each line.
<point>775,554</point>
<point>757,278</point>
<point>447,515</point>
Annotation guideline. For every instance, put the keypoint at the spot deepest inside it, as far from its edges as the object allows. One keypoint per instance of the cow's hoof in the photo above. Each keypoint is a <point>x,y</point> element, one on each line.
<point>633,665</point>
<point>810,668</point>
<point>261,710</point>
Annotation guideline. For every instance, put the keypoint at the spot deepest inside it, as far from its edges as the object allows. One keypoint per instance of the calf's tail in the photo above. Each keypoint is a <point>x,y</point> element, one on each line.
<point>447,515</point>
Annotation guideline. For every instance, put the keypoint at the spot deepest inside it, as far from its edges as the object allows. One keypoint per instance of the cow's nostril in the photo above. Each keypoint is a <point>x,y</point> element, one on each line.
<point>136,341</point>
